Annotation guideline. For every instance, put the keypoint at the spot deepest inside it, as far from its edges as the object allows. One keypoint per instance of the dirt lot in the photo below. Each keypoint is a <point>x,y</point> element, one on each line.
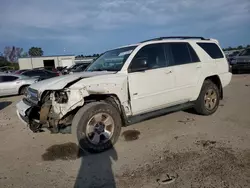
<point>176,150</point>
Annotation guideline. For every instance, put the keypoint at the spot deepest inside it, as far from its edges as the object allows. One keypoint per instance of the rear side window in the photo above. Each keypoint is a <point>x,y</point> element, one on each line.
<point>8,78</point>
<point>212,50</point>
<point>183,53</point>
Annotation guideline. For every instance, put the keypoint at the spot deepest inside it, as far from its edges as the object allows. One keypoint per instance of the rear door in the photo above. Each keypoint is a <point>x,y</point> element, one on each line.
<point>187,70</point>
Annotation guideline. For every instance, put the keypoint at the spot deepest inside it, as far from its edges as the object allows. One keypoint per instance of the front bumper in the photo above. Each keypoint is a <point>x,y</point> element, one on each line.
<point>22,108</point>
<point>29,115</point>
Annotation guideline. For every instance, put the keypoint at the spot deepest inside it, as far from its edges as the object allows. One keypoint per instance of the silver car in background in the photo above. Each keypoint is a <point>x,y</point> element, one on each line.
<point>13,84</point>
<point>241,62</point>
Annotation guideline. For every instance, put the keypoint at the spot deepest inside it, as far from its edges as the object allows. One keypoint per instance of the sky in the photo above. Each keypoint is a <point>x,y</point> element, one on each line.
<point>94,26</point>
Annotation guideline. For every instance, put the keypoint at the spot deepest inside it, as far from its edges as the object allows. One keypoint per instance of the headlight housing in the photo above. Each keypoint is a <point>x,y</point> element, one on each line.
<point>61,97</point>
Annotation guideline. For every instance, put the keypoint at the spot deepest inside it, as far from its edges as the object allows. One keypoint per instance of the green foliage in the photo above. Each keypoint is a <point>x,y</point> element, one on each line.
<point>5,63</point>
<point>82,56</point>
<point>35,52</point>
<point>25,54</point>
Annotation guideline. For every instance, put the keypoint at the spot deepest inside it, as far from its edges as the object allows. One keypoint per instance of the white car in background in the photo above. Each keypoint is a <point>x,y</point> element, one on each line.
<point>12,84</point>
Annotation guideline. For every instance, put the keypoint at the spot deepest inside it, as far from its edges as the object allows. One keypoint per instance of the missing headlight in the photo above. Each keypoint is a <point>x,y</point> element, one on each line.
<point>61,97</point>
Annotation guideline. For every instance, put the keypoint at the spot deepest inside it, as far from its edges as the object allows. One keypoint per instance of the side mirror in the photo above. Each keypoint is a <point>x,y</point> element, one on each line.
<point>138,65</point>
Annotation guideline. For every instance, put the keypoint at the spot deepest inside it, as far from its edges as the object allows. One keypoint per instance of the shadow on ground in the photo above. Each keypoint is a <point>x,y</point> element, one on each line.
<point>95,169</point>
<point>4,104</point>
<point>212,165</point>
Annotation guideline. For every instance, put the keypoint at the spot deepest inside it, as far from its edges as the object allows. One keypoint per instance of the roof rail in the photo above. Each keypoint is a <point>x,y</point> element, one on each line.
<point>175,37</point>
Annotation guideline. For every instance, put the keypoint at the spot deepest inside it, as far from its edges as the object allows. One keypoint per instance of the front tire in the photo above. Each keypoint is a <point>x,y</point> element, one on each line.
<point>23,90</point>
<point>97,126</point>
<point>208,100</point>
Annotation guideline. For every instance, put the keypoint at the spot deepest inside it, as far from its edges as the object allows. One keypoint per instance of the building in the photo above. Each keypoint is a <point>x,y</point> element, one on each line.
<point>84,59</point>
<point>49,62</point>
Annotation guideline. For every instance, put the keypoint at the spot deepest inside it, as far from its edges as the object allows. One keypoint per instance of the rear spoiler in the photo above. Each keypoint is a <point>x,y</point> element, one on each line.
<point>214,40</point>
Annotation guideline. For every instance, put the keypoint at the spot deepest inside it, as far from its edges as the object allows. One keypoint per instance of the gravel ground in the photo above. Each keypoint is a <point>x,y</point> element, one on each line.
<point>176,150</point>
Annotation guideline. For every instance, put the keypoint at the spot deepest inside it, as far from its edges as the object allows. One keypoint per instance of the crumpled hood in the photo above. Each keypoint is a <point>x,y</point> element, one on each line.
<point>60,82</point>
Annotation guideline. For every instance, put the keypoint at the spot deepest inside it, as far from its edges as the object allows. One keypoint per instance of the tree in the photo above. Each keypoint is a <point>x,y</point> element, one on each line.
<point>25,54</point>
<point>12,53</point>
<point>240,47</point>
<point>35,52</point>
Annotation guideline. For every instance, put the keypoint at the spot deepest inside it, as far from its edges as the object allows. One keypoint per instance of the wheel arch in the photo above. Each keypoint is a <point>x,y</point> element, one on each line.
<point>215,79</point>
<point>112,99</point>
<point>21,87</point>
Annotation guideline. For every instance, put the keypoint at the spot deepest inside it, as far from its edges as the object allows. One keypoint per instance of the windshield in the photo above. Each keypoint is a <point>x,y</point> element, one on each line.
<point>80,68</point>
<point>111,60</point>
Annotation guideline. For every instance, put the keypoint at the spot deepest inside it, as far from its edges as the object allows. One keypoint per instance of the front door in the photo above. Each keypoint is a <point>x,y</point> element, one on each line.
<point>151,82</point>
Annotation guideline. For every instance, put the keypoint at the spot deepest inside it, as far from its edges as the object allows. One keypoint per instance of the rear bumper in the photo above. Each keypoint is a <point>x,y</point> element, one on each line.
<point>225,78</point>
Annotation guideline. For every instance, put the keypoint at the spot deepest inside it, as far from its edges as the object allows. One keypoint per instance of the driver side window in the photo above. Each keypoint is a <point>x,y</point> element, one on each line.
<point>148,57</point>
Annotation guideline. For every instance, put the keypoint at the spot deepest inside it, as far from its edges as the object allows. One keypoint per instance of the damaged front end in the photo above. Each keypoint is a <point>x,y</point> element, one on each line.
<point>54,110</point>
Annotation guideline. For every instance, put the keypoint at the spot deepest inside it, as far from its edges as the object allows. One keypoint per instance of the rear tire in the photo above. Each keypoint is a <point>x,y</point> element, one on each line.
<point>208,100</point>
<point>83,119</point>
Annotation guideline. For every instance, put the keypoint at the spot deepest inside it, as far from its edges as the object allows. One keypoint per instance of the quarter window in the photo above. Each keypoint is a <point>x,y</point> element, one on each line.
<point>194,57</point>
<point>211,49</point>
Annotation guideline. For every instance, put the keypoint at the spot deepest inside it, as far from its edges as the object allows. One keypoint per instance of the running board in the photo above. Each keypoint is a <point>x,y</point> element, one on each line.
<point>157,113</point>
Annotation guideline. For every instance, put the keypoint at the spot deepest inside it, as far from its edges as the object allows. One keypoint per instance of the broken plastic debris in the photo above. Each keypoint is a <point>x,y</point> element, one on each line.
<point>168,180</point>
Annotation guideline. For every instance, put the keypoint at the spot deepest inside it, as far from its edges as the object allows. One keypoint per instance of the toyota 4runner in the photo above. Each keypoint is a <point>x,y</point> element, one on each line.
<point>168,73</point>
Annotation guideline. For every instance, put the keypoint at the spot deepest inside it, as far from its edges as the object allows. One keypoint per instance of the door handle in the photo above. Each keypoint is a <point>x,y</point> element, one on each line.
<point>198,66</point>
<point>168,72</point>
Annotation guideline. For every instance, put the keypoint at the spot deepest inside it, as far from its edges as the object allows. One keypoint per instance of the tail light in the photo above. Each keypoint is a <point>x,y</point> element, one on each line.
<point>229,65</point>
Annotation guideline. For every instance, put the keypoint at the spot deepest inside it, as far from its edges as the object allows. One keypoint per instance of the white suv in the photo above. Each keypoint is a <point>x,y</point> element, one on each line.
<point>168,73</point>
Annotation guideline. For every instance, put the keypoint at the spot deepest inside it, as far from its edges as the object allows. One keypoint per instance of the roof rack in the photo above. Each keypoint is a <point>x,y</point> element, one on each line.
<point>175,37</point>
